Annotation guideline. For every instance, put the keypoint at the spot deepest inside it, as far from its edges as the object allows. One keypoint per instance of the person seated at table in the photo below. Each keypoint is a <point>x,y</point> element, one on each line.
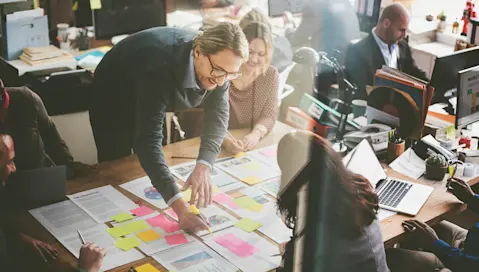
<point>385,45</point>
<point>282,56</point>
<point>38,142</point>
<point>445,245</point>
<point>351,236</point>
<point>326,25</point>
<point>253,97</point>
<point>167,69</point>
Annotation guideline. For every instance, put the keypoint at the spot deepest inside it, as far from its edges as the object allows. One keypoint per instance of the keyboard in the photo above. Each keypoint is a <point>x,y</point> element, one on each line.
<point>393,192</point>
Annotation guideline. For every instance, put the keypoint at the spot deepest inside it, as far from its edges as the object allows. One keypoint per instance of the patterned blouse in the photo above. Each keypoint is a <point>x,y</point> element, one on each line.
<point>258,104</point>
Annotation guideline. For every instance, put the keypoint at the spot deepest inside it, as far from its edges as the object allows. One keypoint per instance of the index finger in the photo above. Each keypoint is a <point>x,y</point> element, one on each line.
<point>194,189</point>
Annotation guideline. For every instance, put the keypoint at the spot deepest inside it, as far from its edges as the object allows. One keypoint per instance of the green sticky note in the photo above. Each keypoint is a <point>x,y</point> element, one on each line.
<point>136,226</point>
<point>122,217</point>
<point>95,4</point>
<point>451,132</point>
<point>244,202</point>
<point>248,225</point>
<point>117,232</point>
<point>126,244</point>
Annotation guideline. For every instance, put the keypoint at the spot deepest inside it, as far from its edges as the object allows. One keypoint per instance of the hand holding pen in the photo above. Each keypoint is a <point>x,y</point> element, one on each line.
<point>91,256</point>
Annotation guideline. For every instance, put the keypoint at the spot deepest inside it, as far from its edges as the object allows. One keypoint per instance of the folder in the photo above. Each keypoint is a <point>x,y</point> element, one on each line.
<point>22,33</point>
<point>297,118</point>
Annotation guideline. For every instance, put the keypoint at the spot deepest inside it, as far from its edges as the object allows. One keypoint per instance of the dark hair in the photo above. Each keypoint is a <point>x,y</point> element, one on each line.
<point>349,200</point>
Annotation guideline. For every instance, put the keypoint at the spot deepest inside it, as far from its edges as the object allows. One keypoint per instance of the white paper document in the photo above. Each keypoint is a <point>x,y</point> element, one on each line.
<point>152,247</point>
<point>247,251</point>
<point>218,177</point>
<point>362,160</point>
<point>143,189</point>
<point>409,164</point>
<point>193,257</point>
<point>217,218</point>
<point>267,155</point>
<point>274,227</point>
<point>114,256</point>
<point>248,169</point>
<point>102,203</point>
<point>62,218</point>
<point>383,214</point>
<point>271,187</point>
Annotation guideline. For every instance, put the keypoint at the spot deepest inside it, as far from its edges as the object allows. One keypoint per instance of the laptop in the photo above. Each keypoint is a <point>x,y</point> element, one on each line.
<point>37,187</point>
<point>394,194</point>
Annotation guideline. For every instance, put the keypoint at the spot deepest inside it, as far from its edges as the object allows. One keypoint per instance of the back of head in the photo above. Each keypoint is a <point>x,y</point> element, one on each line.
<point>222,36</point>
<point>348,201</point>
<point>254,16</point>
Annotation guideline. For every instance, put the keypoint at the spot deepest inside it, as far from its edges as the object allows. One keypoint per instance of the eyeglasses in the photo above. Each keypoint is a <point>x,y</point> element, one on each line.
<point>220,73</point>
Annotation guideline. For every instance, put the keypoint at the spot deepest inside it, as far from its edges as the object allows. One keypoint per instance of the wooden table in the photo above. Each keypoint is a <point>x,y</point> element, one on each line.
<point>438,207</point>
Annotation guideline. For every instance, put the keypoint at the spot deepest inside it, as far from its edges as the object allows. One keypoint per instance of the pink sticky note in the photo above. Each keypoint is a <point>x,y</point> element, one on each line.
<point>172,227</point>
<point>223,198</point>
<point>159,221</point>
<point>142,211</point>
<point>272,152</point>
<point>236,245</point>
<point>176,239</point>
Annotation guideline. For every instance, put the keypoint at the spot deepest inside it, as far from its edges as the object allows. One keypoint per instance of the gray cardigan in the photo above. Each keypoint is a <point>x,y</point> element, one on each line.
<point>151,66</point>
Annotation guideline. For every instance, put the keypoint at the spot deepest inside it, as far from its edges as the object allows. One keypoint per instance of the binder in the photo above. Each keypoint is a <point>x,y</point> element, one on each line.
<point>297,118</point>
<point>22,33</point>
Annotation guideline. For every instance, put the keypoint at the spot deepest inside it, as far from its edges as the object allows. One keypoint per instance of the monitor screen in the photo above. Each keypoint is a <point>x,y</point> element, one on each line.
<point>444,76</point>
<point>467,111</point>
<point>117,17</point>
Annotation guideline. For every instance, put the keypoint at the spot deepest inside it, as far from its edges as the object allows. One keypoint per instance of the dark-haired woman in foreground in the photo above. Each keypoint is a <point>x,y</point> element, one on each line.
<point>349,234</point>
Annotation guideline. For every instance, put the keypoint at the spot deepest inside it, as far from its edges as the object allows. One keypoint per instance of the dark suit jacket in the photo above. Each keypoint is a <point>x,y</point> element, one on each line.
<point>138,81</point>
<point>37,141</point>
<point>365,57</point>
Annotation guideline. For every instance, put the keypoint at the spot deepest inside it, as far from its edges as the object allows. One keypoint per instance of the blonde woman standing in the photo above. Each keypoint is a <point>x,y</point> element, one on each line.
<point>253,97</point>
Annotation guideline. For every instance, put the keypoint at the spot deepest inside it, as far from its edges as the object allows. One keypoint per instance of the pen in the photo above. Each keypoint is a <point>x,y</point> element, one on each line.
<point>81,237</point>
<point>275,255</point>
<point>196,212</point>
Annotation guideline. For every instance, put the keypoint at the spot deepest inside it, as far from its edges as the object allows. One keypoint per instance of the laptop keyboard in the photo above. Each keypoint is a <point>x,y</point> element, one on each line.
<point>393,192</point>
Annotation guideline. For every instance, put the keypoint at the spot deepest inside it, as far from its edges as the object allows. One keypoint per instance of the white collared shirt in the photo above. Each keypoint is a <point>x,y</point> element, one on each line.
<point>390,55</point>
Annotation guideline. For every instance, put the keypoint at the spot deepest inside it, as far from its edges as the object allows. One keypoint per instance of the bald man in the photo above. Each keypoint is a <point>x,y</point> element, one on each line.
<point>385,45</point>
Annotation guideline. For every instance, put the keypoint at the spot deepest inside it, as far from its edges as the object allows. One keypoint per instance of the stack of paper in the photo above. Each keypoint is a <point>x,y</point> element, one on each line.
<point>248,169</point>
<point>44,54</point>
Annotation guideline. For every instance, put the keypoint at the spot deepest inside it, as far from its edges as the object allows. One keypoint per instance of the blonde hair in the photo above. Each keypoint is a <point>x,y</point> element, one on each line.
<point>254,15</point>
<point>258,30</point>
<point>222,36</point>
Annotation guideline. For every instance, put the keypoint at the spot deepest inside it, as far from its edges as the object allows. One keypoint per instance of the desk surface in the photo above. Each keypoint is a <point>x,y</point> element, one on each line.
<point>438,207</point>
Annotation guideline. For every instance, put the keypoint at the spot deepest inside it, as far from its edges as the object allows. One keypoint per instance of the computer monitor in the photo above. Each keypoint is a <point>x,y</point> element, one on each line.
<point>444,76</point>
<point>117,17</point>
<point>467,111</point>
<point>278,7</point>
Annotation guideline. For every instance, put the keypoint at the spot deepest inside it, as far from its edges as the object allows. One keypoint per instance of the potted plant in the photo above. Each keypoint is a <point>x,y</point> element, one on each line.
<point>442,22</point>
<point>436,167</point>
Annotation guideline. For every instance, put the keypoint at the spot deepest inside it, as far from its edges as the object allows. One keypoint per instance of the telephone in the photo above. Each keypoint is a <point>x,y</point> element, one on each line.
<point>425,148</point>
<point>376,134</point>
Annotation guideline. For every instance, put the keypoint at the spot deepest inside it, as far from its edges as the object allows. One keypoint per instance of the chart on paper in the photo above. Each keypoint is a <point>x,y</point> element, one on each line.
<point>218,177</point>
<point>248,169</point>
<point>143,189</point>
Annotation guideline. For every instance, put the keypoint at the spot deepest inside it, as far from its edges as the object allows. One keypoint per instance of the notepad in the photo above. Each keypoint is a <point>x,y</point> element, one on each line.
<point>122,217</point>
<point>146,268</point>
<point>126,244</point>
<point>142,211</point>
<point>128,228</point>
<point>236,245</point>
<point>248,225</point>
<point>251,180</point>
<point>176,239</point>
<point>148,236</point>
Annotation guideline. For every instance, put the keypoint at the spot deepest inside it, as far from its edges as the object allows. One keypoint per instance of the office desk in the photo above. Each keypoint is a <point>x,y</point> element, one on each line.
<point>437,208</point>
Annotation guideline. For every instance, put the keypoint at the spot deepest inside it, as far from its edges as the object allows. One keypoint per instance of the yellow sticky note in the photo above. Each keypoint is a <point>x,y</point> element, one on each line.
<point>75,6</point>
<point>239,155</point>
<point>187,195</point>
<point>136,226</point>
<point>146,268</point>
<point>215,189</point>
<point>253,166</point>
<point>95,4</point>
<point>116,232</point>
<point>126,244</point>
<point>252,180</point>
<point>257,207</point>
<point>148,236</point>
<point>244,202</point>
<point>122,217</point>
<point>248,225</point>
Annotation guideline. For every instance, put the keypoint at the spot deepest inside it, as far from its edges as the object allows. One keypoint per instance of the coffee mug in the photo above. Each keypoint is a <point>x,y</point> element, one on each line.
<point>359,107</point>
